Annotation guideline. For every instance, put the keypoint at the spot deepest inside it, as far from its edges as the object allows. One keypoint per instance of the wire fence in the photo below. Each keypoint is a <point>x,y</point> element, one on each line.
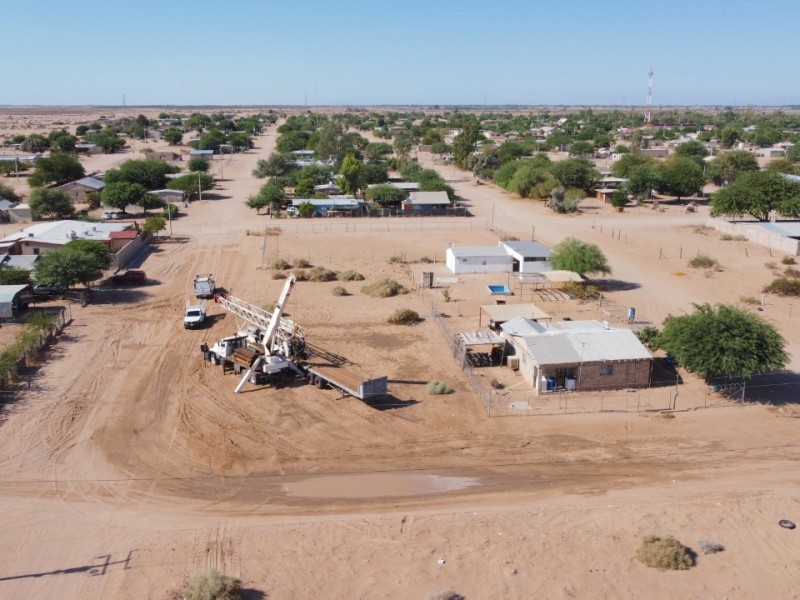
<point>374,225</point>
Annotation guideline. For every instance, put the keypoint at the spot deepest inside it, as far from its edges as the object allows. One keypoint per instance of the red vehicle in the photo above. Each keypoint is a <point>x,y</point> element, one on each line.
<point>128,277</point>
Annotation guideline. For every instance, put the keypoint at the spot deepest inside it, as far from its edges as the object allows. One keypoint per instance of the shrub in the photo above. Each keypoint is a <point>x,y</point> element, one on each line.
<point>447,594</point>
<point>396,258</point>
<point>749,300</point>
<point>384,288</point>
<point>702,261</point>
<point>403,316</point>
<point>214,586</point>
<point>300,275</point>
<point>709,547</point>
<point>279,275</point>
<point>783,286</point>
<point>664,553</point>
<point>339,291</point>
<point>425,260</point>
<point>789,260</point>
<point>321,274</point>
<point>771,265</point>
<point>648,336</point>
<point>792,273</point>
<point>437,388</point>
<point>301,263</point>
<point>581,291</point>
<point>508,238</point>
<point>727,237</point>
<point>351,276</point>
<point>447,295</point>
<point>280,264</point>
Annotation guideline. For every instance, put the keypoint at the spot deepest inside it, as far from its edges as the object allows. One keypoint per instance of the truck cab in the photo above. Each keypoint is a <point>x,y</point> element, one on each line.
<point>224,348</point>
<point>195,316</point>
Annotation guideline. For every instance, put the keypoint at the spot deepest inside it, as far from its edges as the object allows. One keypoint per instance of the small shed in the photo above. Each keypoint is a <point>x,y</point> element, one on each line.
<point>13,298</point>
<point>478,259</point>
<point>5,205</point>
<point>21,213</point>
<point>528,257</point>
<point>426,202</point>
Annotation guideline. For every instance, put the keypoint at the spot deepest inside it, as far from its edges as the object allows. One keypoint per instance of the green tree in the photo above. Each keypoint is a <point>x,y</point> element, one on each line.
<point>14,276</point>
<point>631,160</point>
<point>729,136</point>
<point>575,173</point>
<point>270,194</point>
<point>304,188</point>
<point>377,150</point>
<point>781,165</point>
<point>211,140</point>
<point>642,180</point>
<point>51,204</point>
<point>694,150</point>
<point>464,143</point>
<point>191,185</point>
<point>757,194</point>
<point>723,341</point>
<point>793,153</point>
<point>12,167</point>
<point>121,194</point>
<point>403,143</point>
<point>275,166</point>
<point>581,149</point>
<point>726,167</point>
<point>98,251</point>
<point>149,201</point>
<point>680,176</point>
<point>63,142</point>
<point>579,257</point>
<point>59,168</point>
<point>8,193</point>
<point>531,182</point>
<point>373,173</point>
<point>198,164</point>
<point>154,224</point>
<point>173,136</point>
<point>350,175</point>
<point>386,195</point>
<point>306,210</point>
<point>35,143</point>
<point>70,265</point>
<point>151,173</point>
<point>109,141</point>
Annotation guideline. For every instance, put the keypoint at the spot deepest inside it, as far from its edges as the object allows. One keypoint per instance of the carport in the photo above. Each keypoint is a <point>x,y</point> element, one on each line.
<point>12,300</point>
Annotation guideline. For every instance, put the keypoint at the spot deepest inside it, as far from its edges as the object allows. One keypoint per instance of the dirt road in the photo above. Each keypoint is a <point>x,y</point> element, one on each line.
<point>131,465</point>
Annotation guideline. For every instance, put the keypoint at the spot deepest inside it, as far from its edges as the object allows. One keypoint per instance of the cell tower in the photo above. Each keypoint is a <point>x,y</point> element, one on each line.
<point>648,111</point>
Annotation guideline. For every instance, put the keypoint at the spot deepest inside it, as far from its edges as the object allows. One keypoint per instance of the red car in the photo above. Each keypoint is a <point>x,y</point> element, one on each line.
<point>128,277</point>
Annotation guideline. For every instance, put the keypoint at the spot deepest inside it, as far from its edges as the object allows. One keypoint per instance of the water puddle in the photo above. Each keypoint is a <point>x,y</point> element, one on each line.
<point>377,485</point>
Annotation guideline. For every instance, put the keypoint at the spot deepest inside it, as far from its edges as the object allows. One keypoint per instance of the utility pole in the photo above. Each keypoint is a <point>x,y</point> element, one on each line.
<point>199,186</point>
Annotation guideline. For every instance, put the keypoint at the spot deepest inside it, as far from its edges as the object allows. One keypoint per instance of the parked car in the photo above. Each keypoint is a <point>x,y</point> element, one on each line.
<point>293,211</point>
<point>128,277</point>
<point>113,214</point>
<point>47,290</point>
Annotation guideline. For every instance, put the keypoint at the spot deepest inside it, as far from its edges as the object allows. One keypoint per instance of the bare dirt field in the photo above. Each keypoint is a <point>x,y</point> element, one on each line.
<point>131,465</point>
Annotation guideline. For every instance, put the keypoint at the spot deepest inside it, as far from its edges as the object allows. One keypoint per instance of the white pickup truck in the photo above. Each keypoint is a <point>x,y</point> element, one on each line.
<point>195,315</point>
<point>204,286</point>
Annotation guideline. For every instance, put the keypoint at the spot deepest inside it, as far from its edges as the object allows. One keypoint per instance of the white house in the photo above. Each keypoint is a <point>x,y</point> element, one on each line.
<point>506,257</point>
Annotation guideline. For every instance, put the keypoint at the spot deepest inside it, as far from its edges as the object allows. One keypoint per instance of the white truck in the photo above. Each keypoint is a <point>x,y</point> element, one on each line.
<point>195,316</point>
<point>204,286</point>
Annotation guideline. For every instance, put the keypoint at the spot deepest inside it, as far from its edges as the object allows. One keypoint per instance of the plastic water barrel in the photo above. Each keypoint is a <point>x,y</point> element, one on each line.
<point>551,383</point>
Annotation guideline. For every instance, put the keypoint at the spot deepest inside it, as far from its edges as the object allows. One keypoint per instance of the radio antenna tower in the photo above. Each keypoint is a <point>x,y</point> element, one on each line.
<point>648,111</point>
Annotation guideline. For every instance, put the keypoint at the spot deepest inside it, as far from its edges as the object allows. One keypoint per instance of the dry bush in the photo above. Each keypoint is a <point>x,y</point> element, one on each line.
<point>749,300</point>
<point>403,316</point>
<point>580,291</point>
<point>273,231</point>
<point>279,275</point>
<point>425,260</point>
<point>351,276</point>
<point>339,291</point>
<point>727,237</point>
<point>280,264</point>
<point>702,261</point>
<point>789,260</point>
<point>384,288</point>
<point>301,263</point>
<point>214,586</point>
<point>704,230</point>
<point>771,265</point>
<point>664,553</point>
<point>792,273</point>
<point>436,388</point>
<point>783,286</point>
<point>447,594</point>
<point>396,258</point>
<point>709,547</point>
<point>300,275</point>
<point>321,274</point>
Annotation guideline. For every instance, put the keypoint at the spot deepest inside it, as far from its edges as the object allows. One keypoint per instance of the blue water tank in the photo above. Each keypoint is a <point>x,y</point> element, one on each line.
<point>551,383</point>
<point>631,313</point>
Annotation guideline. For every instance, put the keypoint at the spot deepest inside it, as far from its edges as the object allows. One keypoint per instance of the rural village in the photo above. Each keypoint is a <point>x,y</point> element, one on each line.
<point>421,349</point>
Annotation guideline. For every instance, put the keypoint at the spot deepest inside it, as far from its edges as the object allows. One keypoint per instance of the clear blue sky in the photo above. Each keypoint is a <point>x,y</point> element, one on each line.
<point>408,52</point>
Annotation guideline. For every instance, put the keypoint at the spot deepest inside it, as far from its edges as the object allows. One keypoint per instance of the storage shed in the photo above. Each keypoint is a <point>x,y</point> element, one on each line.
<point>13,298</point>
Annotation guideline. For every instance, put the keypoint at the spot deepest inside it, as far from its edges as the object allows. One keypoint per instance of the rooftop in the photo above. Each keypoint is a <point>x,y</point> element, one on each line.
<point>524,248</point>
<point>61,232</point>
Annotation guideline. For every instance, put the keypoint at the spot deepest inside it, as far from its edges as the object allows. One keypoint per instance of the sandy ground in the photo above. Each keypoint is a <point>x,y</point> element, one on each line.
<point>132,466</point>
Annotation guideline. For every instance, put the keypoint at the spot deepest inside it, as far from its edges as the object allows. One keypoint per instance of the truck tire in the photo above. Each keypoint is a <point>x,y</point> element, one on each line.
<point>254,378</point>
<point>213,358</point>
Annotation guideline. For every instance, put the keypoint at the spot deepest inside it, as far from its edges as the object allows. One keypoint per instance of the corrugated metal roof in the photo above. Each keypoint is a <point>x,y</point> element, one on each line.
<point>521,326</point>
<point>128,234</point>
<point>574,347</point>
<point>19,261</point>
<point>7,292</point>
<point>91,182</point>
<point>500,313</point>
<point>524,248</point>
<point>428,198</point>
<point>476,251</point>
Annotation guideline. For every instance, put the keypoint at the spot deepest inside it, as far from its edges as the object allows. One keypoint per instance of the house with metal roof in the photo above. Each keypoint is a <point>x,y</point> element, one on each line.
<point>332,207</point>
<point>43,237</point>
<point>577,355</point>
<point>506,257</point>
<point>78,189</point>
<point>426,202</point>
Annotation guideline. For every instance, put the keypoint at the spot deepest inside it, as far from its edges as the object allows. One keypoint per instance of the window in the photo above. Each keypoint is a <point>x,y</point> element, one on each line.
<point>606,370</point>
<point>36,251</point>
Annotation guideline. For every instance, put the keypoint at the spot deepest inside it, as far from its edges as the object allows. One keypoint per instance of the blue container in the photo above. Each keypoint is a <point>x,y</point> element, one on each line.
<point>631,313</point>
<point>551,384</point>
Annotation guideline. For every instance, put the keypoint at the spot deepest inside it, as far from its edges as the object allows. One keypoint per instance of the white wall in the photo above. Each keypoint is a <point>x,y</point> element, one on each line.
<point>478,264</point>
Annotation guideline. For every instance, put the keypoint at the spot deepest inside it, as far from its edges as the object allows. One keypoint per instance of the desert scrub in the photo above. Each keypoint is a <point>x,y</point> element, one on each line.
<point>213,586</point>
<point>321,274</point>
<point>279,275</point>
<point>447,594</point>
<point>702,261</point>
<point>580,291</point>
<point>403,316</point>
<point>783,286</point>
<point>301,263</point>
<point>789,260</point>
<point>339,291</point>
<point>351,276</point>
<point>709,547</point>
<point>749,300</point>
<point>280,264</point>
<point>791,273</point>
<point>396,259</point>
<point>384,288</point>
<point>437,388</point>
<point>664,553</point>
<point>727,237</point>
<point>300,275</point>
